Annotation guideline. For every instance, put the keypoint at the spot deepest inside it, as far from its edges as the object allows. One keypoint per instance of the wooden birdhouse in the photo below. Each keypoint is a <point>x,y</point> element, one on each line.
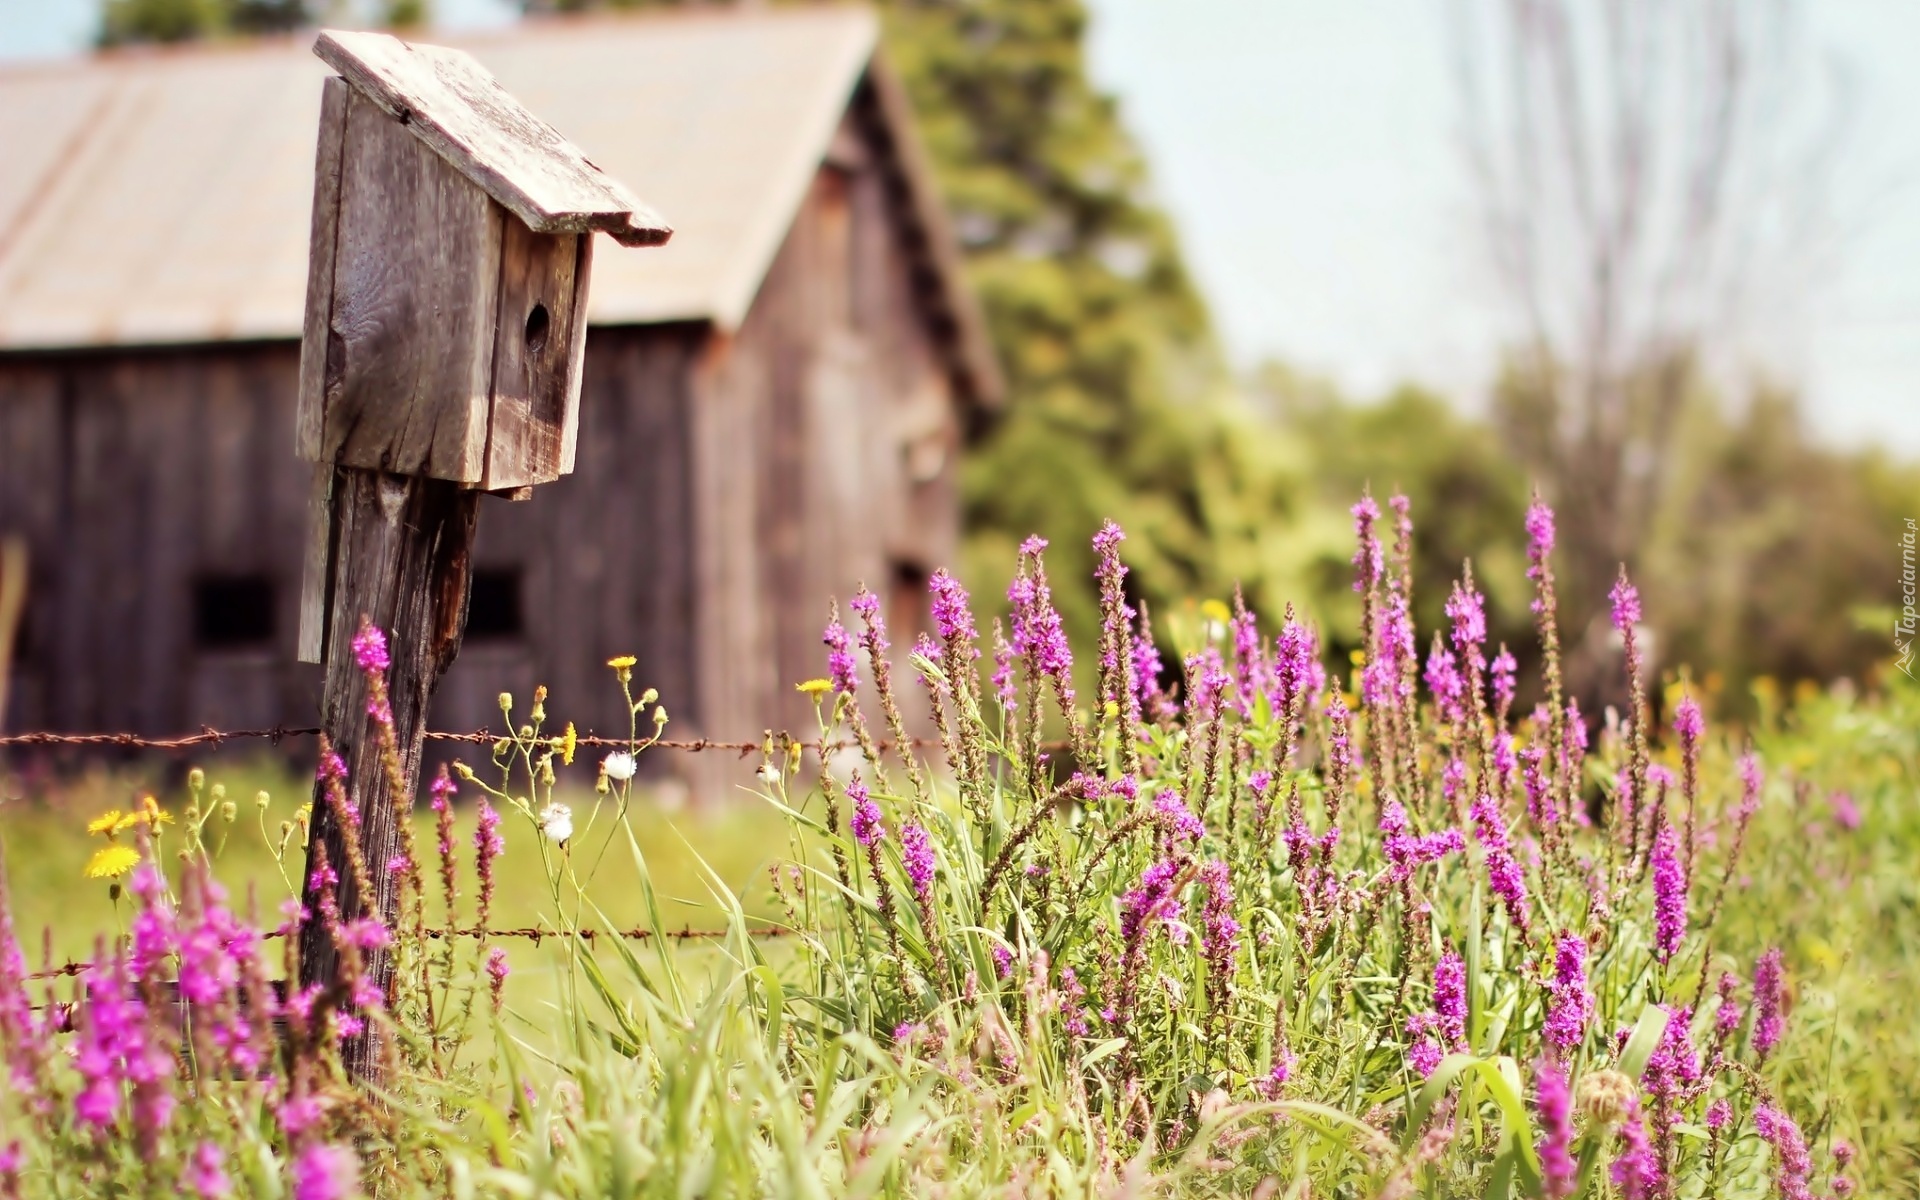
<point>447,288</point>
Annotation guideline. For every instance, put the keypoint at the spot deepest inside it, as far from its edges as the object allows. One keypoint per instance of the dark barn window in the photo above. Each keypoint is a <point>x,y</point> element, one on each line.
<point>907,616</point>
<point>493,610</point>
<point>233,612</point>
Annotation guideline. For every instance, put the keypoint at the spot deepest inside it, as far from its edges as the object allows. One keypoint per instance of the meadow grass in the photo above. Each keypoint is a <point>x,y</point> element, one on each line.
<point>1239,927</point>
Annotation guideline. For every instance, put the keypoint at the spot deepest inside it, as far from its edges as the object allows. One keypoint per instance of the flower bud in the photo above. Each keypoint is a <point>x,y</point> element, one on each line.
<point>261,799</point>
<point>649,696</point>
<point>659,716</point>
<point>506,702</point>
<point>1605,1097</point>
<point>463,771</point>
<point>196,779</point>
<point>229,811</point>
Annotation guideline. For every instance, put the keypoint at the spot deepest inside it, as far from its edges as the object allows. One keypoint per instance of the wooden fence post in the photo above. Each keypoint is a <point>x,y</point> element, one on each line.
<point>444,335</point>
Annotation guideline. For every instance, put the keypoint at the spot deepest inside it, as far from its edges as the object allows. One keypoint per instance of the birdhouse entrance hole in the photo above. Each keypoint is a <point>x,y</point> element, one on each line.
<point>537,323</point>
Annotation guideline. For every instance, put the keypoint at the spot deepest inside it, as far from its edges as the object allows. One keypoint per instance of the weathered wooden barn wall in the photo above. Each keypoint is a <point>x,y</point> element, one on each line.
<point>826,438</point>
<point>725,489</point>
<point>145,480</point>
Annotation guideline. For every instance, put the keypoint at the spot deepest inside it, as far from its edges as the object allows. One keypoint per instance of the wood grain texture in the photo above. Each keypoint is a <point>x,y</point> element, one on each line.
<point>320,249</point>
<point>576,355</point>
<point>402,549</point>
<point>534,370</point>
<point>316,567</point>
<point>416,287</point>
<point>453,105</point>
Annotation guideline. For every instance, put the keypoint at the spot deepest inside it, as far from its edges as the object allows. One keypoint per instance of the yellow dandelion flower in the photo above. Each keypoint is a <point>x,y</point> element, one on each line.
<point>1215,610</point>
<point>814,687</point>
<point>622,662</point>
<point>569,742</point>
<point>107,822</point>
<point>111,862</point>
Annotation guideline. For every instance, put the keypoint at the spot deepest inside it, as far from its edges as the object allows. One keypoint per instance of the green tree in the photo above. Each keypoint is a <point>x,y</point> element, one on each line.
<point>129,21</point>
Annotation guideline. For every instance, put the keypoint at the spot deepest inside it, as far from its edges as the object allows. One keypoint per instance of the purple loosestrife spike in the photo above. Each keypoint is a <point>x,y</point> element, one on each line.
<point>1533,778</point>
<point>1151,902</point>
<point>1636,1172</point>
<point>21,1036</point>
<point>865,822</point>
<point>1719,1114</point>
<point>488,845</point>
<point>1846,814</point>
<point>1540,535</point>
<point>1294,656</point>
<point>1559,1174</point>
<point>497,972</point>
<point>841,665</point>
<point>1571,1005</point>
<point>1443,681</point>
<point>1368,561</point>
<point>1688,721</point>
<point>1002,680</point>
<point>1792,1167</point>
<point>1502,672</point>
<point>1450,999</point>
<point>1405,851</point>
<point>916,854</point>
<point>370,650</point>
<point>324,1172</point>
<point>1038,633</point>
<point>1769,992</point>
<point>1383,679</point>
<point>1424,1054</point>
<point>1176,821</point>
<point>1221,934</point>
<point>1250,668</point>
<point>1002,961</point>
<point>952,616</point>
<point>1669,895</point>
<point>1467,610</point>
<point>206,1175</point>
<point>1073,1017</point>
<point>1625,599</point>
<point>1504,875</point>
<point>1505,762</point>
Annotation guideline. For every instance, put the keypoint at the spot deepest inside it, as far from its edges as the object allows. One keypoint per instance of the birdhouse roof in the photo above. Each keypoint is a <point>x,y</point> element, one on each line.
<point>450,102</point>
<point>160,195</point>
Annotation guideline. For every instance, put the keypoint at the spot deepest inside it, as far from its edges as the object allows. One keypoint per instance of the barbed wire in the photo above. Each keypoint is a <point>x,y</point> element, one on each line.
<point>531,933</point>
<point>209,736</point>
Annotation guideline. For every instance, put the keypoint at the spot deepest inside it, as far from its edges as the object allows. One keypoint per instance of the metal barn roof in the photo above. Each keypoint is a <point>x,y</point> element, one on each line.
<point>161,196</point>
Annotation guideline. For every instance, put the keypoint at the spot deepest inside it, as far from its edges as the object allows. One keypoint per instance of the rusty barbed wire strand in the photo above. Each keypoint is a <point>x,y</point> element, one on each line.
<point>209,736</point>
<point>534,934</point>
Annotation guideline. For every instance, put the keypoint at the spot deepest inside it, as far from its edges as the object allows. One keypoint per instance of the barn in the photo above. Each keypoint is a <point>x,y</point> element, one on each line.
<point>772,408</point>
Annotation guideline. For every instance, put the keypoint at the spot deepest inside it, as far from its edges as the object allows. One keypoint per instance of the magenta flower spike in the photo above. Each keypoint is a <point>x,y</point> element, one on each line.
<point>1553,1100</point>
<point>1792,1166</point>
<point>916,854</point>
<point>1669,894</point>
<point>1369,561</point>
<point>1769,993</point>
<point>841,664</point>
<point>1571,1005</point>
<point>865,822</point>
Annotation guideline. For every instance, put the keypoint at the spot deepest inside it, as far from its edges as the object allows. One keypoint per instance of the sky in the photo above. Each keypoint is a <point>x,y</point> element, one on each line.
<point>1308,153</point>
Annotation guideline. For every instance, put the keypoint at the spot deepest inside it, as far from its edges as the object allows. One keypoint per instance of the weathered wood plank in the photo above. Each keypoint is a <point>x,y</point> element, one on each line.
<point>456,107</point>
<point>528,423</point>
<point>316,567</point>
<point>320,254</point>
<point>403,560</point>
<point>576,354</point>
<point>410,341</point>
